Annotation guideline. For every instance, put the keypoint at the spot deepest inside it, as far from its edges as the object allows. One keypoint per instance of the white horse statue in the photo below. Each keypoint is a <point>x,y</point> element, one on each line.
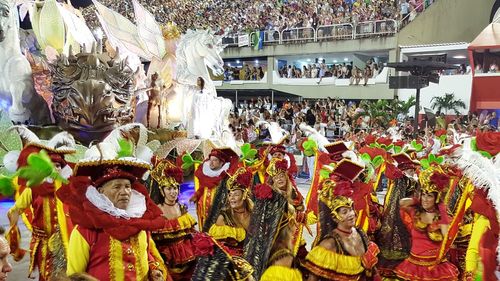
<point>196,51</point>
<point>16,82</point>
<point>204,115</point>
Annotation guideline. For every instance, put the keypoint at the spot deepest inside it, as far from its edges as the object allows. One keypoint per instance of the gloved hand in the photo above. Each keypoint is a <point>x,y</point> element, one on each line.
<point>369,258</point>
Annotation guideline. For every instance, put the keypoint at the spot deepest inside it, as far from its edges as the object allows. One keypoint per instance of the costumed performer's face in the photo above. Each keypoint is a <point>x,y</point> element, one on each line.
<point>118,192</point>
<point>215,163</point>
<point>58,166</point>
<point>428,200</point>
<point>280,181</point>
<point>450,137</point>
<point>236,199</point>
<point>5,266</point>
<point>171,193</point>
<point>347,217</point>
<point>279,155</point>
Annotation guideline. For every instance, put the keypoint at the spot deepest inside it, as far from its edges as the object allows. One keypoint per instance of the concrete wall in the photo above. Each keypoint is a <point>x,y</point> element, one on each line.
<point>359,45</point>
<point>447,21</point>
<point>459,85</point>
<point>377,91</point>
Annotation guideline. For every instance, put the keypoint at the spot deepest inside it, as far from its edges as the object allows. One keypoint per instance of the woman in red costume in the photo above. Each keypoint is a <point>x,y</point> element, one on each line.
<point>174,242</point>
<point>427,221</point>
<point>234,219</point>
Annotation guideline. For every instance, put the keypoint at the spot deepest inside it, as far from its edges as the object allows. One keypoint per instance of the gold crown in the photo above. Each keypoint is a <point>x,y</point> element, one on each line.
<point>332,201</point>
<point>426,184</point>
<point>170,31</point>
<point>232,181</point>
<point>158,174</point>
<point>274,167</point>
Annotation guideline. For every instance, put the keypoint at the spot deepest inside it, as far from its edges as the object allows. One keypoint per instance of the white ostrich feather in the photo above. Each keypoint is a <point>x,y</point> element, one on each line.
<point>318,138</point>
<point>484,173</point>
<point>62,141</point>
<point>144,153</point>
<point>116,134</point>
<point>354,158</point>
<point>479,170</point>
<point>100,151</point>
<point>276,132</point>
<point>10,160</point>
<point>259,123</point>
<point>26,134</point>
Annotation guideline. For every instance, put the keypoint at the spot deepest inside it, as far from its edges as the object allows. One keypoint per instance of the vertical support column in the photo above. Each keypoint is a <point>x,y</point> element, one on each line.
<point>236,98</point>
<point>417,109</point>
<point>271,66</point>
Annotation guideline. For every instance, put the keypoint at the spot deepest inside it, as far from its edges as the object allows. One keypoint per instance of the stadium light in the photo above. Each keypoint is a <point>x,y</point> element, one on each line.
<point>459,57</point>
<point>238,61</point>
<point>346,59</point>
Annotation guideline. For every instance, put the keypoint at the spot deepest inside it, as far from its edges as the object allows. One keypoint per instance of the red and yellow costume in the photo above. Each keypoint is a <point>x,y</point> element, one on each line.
<point>337,263</point>
<point>231,234</point>
<point>105,245</point>
<point>207,181</point>
<point>426,242</point>
<point>425,261</point>
<point>45,215</point>
<point>482,252</point>
<point>174,241</point>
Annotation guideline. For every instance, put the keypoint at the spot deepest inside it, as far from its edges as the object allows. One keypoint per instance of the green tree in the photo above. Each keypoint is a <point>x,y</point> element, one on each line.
<point>402,106</point>
<point>446,103</point>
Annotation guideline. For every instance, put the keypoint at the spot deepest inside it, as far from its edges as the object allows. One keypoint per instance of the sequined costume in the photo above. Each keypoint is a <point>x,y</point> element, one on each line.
<point>174,242</point>
<point>422,264</point>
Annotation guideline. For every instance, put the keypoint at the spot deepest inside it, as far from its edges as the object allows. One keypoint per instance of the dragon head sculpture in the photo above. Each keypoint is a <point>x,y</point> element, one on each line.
<point>92,94</point>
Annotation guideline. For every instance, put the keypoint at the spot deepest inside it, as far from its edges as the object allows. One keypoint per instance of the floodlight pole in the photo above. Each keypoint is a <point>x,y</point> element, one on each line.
<point>417,110</point>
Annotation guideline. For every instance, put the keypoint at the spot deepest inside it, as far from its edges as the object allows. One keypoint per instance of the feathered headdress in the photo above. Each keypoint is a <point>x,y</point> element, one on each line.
<point>241,179</point>
<point>336,193</point>
<point>165,173</point>
<point>277,166</point>
<point>435,180</point>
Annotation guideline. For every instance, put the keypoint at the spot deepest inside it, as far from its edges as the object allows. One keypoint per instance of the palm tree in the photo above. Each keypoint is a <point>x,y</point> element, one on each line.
<point>377,111</point>
<point>399,106</point>
<point>447,102</point>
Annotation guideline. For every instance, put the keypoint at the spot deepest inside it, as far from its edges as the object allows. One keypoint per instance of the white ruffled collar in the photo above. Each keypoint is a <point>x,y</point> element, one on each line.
<point>211,173</point>
<point>135,209</point>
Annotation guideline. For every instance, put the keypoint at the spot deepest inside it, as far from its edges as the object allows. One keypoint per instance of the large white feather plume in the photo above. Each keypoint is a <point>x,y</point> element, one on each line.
<point>26,134</point>
<point>313,134</point>
<point>484,173</point>
<point>10,160</point>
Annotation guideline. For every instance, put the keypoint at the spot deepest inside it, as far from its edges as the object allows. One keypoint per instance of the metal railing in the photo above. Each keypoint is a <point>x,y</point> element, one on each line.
<point>322,33</point>
<point>336,31</point>
<point>272,37</point>
<point>298,34</point>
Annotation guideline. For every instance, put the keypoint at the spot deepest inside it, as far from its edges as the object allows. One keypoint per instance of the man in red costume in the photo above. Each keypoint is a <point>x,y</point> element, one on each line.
<point>208,177</point>
<point>44,212</point>
<point>113,217</point>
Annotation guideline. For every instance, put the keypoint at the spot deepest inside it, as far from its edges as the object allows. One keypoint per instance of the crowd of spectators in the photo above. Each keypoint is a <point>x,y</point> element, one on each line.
<point>247,72</point>
<point>335,119</point>
<point>341,71</point>
<point>243,16</point>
